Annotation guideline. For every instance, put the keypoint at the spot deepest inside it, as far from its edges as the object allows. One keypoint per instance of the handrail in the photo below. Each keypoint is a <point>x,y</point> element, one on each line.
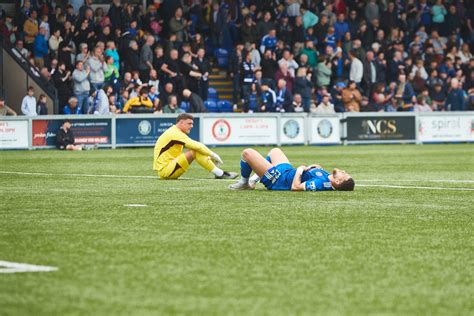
<point>32,72</point>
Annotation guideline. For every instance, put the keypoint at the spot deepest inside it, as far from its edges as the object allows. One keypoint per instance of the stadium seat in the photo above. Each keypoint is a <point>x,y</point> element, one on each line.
<point>211,106</point>
<point>225,106</point>
<point>184,106</point>
<point>212,95</point>
<point>222,57</point>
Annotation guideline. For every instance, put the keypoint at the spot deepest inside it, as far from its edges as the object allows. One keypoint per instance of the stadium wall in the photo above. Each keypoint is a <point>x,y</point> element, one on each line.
<point>223,129</point>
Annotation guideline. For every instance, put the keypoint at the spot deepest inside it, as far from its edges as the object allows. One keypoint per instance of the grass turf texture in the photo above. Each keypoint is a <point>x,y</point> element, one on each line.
<point>198,248</point>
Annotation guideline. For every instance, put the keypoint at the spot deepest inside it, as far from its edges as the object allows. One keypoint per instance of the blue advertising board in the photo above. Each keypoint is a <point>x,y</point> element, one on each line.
<point>145,131</point>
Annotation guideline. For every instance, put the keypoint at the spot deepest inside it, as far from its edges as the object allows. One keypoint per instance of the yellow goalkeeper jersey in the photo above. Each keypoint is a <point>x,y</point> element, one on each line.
<point>170,145</point>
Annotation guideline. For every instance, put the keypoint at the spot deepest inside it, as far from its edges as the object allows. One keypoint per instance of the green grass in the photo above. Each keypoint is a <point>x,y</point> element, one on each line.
<point>198,248</point>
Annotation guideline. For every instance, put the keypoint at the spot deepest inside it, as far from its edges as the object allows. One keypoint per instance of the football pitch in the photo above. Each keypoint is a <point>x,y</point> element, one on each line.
<point>126,243</point>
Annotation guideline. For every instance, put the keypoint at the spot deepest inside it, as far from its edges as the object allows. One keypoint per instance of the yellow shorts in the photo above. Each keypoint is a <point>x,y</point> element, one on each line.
<point>175,168</point>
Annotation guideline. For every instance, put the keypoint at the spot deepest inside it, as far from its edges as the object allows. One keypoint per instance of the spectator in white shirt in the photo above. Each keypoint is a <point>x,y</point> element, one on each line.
<point>287,58</point>
<point>28,105</point>
<point>420,69</point>
<point>325,107</point>
<point>357,69</point>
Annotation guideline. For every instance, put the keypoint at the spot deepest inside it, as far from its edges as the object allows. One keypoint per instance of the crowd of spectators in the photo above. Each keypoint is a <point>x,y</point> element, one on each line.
<point>284,55</point>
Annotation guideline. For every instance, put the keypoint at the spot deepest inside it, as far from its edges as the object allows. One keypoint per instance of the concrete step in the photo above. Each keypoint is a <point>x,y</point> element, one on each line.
<point>224,90</point>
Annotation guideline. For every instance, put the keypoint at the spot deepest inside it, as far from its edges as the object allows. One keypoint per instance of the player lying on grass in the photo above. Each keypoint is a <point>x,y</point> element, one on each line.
<point>277,174</point>
<point>169,160</point>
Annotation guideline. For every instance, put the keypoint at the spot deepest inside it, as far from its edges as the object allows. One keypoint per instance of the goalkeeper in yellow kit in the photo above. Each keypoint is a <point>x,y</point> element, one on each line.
<point>169,160</point>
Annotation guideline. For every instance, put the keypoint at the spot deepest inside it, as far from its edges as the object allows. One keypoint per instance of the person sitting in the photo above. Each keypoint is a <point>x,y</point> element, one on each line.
<point>325,107</point>
<point>298,103</point>
<point>172,105</point>
<point>139,104</point>
<point>71,107</point>
<point>196,105</point>
<point>4,109</point>
<point>65,139</point>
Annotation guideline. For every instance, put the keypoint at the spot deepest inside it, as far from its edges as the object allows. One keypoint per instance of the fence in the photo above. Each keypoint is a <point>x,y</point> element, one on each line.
<point>244,129</point>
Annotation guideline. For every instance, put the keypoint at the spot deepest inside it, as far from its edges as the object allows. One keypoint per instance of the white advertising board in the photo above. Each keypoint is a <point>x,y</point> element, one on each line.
<point>292,130</point>
<point>324,130</point>
<point>13,134</point>
<point>239,130</point>
<point>446,128</point>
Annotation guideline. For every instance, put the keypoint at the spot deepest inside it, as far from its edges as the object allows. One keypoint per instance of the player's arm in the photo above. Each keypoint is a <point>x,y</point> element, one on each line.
<point>314,166</point>
<point>197,146</point>
<point>296,185</point>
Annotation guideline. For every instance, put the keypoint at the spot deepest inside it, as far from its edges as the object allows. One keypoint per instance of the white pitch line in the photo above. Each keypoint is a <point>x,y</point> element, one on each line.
<point>14,267</point>
<point>413,187</point>
<point>412,180</point>
<point>135,205</point>
<point>210,179</point>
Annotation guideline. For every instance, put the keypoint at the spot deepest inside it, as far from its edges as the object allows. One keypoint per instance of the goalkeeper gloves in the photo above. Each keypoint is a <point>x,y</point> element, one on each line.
<point>215,157</point>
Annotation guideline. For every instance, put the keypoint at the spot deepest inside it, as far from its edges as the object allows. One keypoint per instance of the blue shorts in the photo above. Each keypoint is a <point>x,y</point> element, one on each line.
<point>279,178</point>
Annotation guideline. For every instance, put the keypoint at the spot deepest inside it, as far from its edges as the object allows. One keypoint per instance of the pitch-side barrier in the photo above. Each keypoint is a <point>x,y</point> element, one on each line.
<point>229,129</point>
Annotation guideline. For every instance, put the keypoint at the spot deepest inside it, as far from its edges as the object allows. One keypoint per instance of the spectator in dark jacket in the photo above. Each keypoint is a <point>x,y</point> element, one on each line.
<point>304,87</point>
<point>132,57</point>
<point>248,31</point>
<point>456,99</point>
<point>65,138</point>
<point>196,105</point>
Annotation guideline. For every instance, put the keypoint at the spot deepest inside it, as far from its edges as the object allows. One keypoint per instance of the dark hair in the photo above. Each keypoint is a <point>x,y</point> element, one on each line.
<point>347,185</point>
<point>2,99</point>
<point>143,90</point>
<point>66,121</point>
<point>30,88</point>
<point>184,116</point>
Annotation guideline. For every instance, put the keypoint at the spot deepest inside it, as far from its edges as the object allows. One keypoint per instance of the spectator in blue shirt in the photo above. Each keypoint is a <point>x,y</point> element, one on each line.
<point>330,39</point>
<point>341,27</point>
<point>269,41</point>
<point>40,48</point>
<point>71,107</point>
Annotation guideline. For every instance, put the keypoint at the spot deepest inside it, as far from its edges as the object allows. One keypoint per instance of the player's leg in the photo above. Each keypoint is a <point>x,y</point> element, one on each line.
<point>177,167</point>
<point>74,147</point>
<point>250,161</point>
<point>206,162</point>
<point>276,156</point>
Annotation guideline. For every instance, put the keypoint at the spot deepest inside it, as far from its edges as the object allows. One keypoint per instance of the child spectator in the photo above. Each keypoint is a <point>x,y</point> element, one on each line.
<point>41,107</point>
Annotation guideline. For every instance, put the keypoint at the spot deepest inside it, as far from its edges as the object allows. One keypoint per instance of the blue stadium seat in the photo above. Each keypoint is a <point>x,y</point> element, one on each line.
<point>222,56</point>
<point>184,106</point>
<point>225,106</point>
<point>212,94</point>
<point>211,106</point>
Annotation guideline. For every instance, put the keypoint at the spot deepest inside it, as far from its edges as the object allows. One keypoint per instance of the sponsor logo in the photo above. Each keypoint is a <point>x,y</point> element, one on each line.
<point>144,127</point>
<point>291,129</point>
<point>221,130</point>
<point>379,126</point>
<point>319,174</point>
<point>325,128</point>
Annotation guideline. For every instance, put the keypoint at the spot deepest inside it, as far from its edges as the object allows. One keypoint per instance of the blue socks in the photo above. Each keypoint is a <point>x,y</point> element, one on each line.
<point>245,169</point>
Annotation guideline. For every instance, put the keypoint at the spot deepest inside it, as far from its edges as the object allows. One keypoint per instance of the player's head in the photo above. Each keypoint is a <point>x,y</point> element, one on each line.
<point>341,180</point>
<point>184,122</point>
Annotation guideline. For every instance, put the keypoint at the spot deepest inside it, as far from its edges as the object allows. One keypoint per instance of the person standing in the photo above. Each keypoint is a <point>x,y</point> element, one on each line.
<point>81,86</point>
<point>28,105</point>
<point>146,58</point>
<point>357,69</point>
